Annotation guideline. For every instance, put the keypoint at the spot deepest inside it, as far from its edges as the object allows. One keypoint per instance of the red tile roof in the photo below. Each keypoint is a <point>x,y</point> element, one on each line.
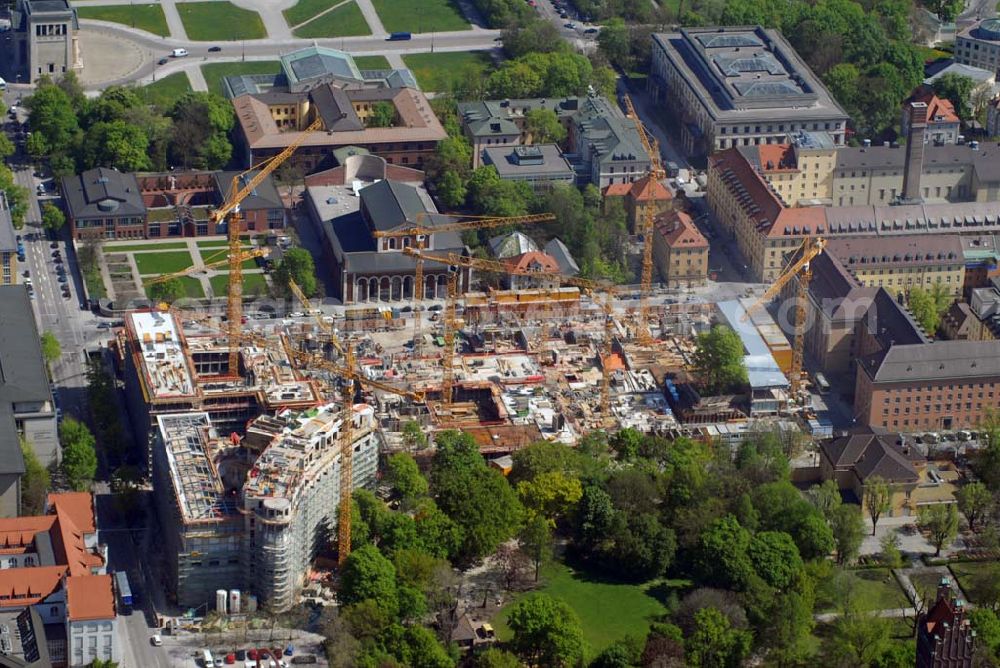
<point>777,158</point>
<point>20,587</point>
<point>533,261</point>
<point>679,230</point>
<point>90,597</point>
<point>936,107</point>
<point>18,533</point>
<point>79,506</point>
<point>648,188</point>
<point>617,189</point>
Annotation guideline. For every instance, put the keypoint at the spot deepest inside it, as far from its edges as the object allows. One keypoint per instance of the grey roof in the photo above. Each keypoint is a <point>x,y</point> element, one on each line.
<point>859,253</point>
<point>351,242</point>
<point>936,71</point>
<point>871,455</point>
<point>611,135</point>
<point>336,109</point>
<point>557,249</point>
<point>891,323</point>
<point>102,192</point>
<point>264,196</point>
<point>8,240</point>
<point>23,378</point>
<point>391,204</point>
<point>44,6</point>
<point>936,361</point>
<point>547,160</point>
<point>512,245</point>
<point>317,62</point>
<point>493,117</point>
<point>745,72</point>
<point>985,159</point>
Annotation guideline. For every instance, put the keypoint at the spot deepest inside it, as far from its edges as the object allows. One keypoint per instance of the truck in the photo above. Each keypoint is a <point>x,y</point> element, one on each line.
<point>124,593</point>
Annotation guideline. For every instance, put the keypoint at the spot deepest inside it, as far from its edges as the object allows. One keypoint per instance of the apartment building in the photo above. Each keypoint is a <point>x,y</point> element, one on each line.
<point>252,514</point>
<point>602,145</point>
<point>979,45</point>
<point>54,566</point>
<point>680,251</point>
<point>739,86</point>
<point>943,124</point>
<point>940,385</point>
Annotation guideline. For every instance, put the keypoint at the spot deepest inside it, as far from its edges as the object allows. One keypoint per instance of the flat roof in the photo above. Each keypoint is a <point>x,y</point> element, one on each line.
<point>8,241</point>
<point>762,370</point>
<point>545,160</point>
<point>166,369</point>
<point>747,72</point>
<point>188,440</point>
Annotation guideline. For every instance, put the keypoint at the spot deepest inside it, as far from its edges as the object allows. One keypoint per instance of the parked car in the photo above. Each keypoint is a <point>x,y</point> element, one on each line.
<point>156,640</point>
<point>214,49</point>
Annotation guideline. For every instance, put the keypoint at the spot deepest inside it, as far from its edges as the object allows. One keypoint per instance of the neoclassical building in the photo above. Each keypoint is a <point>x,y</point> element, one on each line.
<point>364,266</point>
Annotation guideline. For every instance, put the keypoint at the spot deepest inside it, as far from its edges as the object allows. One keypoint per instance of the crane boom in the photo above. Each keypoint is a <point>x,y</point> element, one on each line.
<point>811,247</point>
<point>244,256</point>
<point>229,212</point>
<point>325,327</point>
<point>607,305</point>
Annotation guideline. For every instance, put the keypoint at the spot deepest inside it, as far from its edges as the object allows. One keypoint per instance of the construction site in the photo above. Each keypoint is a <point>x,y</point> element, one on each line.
<point>258,430</point>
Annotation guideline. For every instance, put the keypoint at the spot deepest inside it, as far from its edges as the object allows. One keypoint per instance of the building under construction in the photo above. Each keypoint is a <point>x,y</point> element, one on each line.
<point>253,513</point>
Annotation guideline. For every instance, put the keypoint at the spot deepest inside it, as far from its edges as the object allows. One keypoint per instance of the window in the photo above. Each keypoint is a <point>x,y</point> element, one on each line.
<point>12,562</point>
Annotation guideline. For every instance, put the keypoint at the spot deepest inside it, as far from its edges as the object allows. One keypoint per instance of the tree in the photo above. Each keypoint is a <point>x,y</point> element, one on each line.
<point>891,556</point>
<point>718,360</point>
<point>51,350</point>
<point>296,265</point>
<point>986,584</point>
<point>595,514</point>
<point>367,575</point>
<point>551,495</point>
<point>79,459</point>
<point>495,658</point>
<point>7,147</point>
<point>383,115</point>
<point>201,122</point>
<point>722,557</point>
<point>546,631</point>
<point>544,457</point>
<point>957,89</point>
<point>477,498</point>
<point>775,558</point>
<point>940,521</point>
<point>826,498</point>
<point>404,475</point>
<point>946,10</point>
<point>413,436</point>
<point>714,643</point>
<point>626,442</point>
<point>620,654</point>
<point>975,502</point>
<point>536,541</point>
<point>168,290</point>
<point>116,144</point>
<point>848,532</point>
<point>53,120</point>
<point>52,217</point>
<point>859,634</point>
<point>928,306</point>
<point>877,499</point>
<point>34,483</point>
<point>544,127</point>
<point>987,627</point>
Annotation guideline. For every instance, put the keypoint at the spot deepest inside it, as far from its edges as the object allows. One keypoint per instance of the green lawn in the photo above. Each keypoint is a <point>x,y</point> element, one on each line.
<point>926,584</point>
<point>214,73</point>
<point>968,573</point>
<point>929,54</point>
<point>222,21</point>
<point>164,92</point>
<point>877,586</point>
<point>304,10</point>
<point>252,284</point>
<point>145,17</point>
<point>608,611</point>
<point>154,264</point>
<point>372,63</point>
<point>344,21</point>
<point>436,71</point>
<point>192,287</point>
<point>420,15</point>
<point>95,284</point>
<point>217,243</point>
<point>162,245</point>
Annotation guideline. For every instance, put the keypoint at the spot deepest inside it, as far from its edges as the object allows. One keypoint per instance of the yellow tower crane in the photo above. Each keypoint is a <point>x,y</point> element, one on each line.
<point>243,185</point>
<point>416,236</point>
<point>656,173</point>
<point>811,248</point>
<point>455,260</point>
<point>350,375</point>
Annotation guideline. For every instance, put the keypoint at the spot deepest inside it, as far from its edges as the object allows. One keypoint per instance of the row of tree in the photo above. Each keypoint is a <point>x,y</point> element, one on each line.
<point>17,196</point>
<point>121,129</point>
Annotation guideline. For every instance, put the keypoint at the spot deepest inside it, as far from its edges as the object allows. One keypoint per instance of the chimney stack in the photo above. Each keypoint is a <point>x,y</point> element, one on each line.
<point>914,165</point>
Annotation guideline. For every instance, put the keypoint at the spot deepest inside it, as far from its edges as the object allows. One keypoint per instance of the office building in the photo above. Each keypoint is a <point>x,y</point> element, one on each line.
<point>272,111</point>
<point>540,165</point>
<point>680,251</point>
<point>739,86</point>
<point>979,45</point>
<point>54,566</point>
<point>8,245</point>
<point>602,145</point>
<point>902,263</point>
<point>27,409</point>
<point>45,40</point>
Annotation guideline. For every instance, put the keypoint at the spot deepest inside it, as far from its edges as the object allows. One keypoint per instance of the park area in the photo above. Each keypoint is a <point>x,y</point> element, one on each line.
<point>435,72</point>
<point>422,16</point>
<point>220,21</point>
<point>345,20</point>
<point>144,17</point>
<point>164,92</point>
<point>132,265</point>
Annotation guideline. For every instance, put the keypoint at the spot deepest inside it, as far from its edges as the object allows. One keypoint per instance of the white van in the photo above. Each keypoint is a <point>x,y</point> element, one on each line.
<point>206,659</point>
<point>3,84</point>
<point>179,53</point>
